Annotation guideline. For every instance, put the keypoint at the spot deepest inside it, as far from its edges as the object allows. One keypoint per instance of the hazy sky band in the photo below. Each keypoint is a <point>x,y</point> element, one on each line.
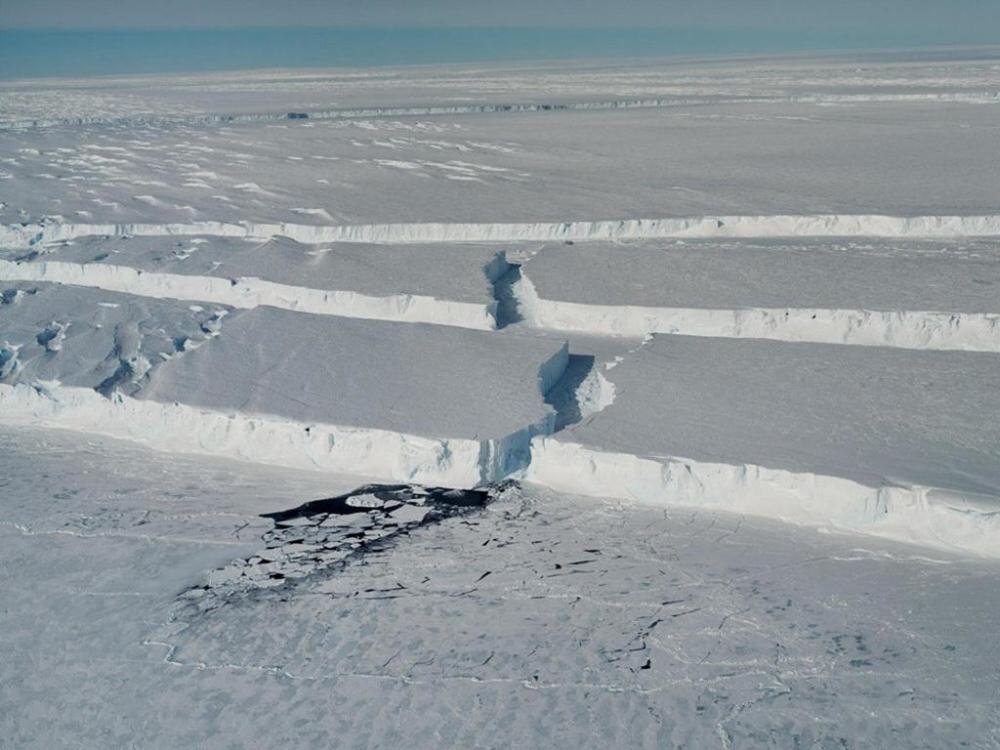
<point>949,19</point>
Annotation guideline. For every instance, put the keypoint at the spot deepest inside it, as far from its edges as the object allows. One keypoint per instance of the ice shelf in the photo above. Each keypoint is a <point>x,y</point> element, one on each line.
<point>885,441</point>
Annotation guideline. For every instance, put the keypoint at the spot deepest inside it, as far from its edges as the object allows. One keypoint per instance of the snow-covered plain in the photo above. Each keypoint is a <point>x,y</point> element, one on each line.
<point>745,314</point>
<point>761,139</point>
<point>541,620</point>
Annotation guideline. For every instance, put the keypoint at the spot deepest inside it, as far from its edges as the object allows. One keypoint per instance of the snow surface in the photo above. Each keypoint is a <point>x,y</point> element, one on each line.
<point>941,76</point>
<point>543,619</point>
<point>94,339</point>
<point>807,153</point>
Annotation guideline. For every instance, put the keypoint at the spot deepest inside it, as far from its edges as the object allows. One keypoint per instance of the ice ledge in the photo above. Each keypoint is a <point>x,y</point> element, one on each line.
<point>383,454</point>
<point>921,515</point>
<point>826,225</point>
<point>967,97</point>
<point>908,329</point>
<point>251,292</point>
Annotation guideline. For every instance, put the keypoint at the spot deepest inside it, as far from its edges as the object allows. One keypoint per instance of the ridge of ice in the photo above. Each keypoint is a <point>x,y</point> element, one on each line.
<point>921,515</point>
<point>909,329</point>
<point>819,225</point>
<point>250,292</point>
<point>385,454</point>
<point>980,97</point>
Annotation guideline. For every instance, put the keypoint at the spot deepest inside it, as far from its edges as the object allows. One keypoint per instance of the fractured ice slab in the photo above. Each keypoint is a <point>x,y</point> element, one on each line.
<point>874,274</point>
<point>908,293</point>
<point>419,379</point>
<point>321,535</point>
<point>27,235</point>
<point>397,401</point>
<point>461,273</point>
<point>883,440</point>
<point>447,284</point>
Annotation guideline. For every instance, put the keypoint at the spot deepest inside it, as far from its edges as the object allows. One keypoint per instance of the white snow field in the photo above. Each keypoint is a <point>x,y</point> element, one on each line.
<point>540,620</point>
<point>942,76</point>
<point>831,138</point>
<point>689,371</point>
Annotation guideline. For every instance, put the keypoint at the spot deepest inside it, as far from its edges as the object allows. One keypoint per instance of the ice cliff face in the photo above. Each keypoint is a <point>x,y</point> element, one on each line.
<point>923,515</point>
<point>830,225</point>
<point>249,292</point>
<point>345,395</point>
<point>908,329</point>
<point>533,448</point>
<point>972,97</point>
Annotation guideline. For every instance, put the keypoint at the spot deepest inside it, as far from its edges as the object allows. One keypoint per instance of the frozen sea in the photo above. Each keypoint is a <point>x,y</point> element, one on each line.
<point>97,52</point>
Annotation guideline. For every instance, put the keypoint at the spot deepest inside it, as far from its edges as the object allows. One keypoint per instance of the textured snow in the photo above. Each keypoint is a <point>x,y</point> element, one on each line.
<point>544,619</point>
<point>95,339</point>
<point>755,159</point>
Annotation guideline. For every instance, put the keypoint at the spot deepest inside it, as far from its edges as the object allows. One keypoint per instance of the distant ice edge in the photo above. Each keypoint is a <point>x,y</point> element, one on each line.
<point>826,225</point>
<point>249,292</point>
<point>920,515</point>
<point>382,454</point>
<point>24,123</point>
<point>908,329</point>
